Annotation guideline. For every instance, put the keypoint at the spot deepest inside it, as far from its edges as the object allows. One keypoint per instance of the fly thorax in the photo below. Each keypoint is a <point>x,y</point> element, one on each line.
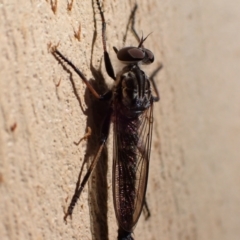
<point>129,89</point>
<point>135,90</point>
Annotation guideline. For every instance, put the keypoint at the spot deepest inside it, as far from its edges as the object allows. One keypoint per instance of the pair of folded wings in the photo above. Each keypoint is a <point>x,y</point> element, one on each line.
<point>131,155</point>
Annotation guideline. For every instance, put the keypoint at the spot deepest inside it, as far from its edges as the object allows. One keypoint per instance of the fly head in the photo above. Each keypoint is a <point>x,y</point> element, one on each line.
<point>135,55</point>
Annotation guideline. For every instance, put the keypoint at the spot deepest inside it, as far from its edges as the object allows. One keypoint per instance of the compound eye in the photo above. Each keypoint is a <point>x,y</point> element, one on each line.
<point>131,54</point>
<point>149,57</point>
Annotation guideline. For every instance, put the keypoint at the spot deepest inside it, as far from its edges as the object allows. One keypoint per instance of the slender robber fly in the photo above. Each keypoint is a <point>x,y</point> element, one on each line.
<point>131,111</point>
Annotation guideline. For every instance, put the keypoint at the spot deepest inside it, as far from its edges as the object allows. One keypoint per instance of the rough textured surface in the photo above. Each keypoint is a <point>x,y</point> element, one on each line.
<point>193,190</point>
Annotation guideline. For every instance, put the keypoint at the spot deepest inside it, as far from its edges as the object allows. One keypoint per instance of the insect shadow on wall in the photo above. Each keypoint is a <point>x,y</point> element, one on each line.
<point>129,104</point>
<point>95,112</point>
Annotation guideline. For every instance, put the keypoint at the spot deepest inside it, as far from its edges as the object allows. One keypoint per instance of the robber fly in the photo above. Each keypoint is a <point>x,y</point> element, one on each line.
<point>131,111</point>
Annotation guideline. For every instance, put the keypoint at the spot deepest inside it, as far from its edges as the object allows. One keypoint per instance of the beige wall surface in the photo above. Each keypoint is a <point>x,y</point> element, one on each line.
<point>193,189</point>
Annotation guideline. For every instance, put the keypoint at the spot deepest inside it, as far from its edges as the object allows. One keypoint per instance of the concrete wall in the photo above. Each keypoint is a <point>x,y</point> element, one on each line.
<point>193,189</point>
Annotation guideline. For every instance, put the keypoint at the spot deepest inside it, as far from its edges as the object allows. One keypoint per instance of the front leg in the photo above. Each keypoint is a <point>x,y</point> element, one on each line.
<point>59,55</point>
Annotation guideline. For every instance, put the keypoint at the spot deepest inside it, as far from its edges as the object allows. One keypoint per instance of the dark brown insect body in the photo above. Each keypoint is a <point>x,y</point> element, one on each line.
<point>132,101</point>
<point>131,110</point>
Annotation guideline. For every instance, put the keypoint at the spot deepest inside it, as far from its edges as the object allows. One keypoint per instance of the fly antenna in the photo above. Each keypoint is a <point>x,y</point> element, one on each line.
<point>143,40</point>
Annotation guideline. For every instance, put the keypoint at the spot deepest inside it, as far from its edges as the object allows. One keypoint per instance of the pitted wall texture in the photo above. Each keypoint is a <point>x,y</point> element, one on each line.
<point>193,190</point>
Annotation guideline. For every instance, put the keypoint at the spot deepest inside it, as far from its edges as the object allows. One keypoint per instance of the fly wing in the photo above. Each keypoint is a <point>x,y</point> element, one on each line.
<point>132,145</point>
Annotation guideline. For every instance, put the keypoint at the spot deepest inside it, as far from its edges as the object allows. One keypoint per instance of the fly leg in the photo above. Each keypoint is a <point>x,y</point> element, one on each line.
<point>107,61</point>
<point>151,78</point>
<point>59,55</point>
<point>146,209</point>
<point>104,131</point>
<point>131,21</point>
<point>85,137</point>
<point>78,191</point>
